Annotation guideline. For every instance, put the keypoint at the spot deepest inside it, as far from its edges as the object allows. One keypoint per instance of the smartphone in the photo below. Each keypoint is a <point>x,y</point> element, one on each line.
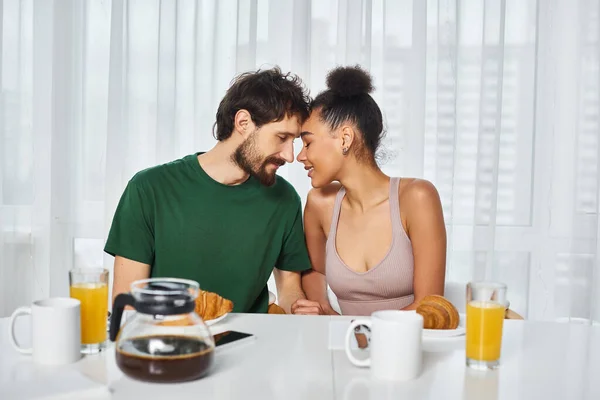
<point>229,338</point>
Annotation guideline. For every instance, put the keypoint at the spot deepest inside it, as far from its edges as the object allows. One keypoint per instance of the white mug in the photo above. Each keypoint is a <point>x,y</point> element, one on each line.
<point>396,348</point>
<point>55,330</point>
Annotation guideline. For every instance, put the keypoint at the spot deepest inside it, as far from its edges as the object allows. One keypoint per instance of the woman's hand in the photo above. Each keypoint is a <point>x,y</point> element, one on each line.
<point>308,307</point>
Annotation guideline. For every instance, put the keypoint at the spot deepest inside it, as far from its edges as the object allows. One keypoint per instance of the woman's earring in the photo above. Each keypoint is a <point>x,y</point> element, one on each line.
<point>345,151</point>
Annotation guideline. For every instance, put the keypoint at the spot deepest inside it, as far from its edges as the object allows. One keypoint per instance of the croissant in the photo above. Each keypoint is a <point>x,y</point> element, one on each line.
<point>275,309</point>
<point>210,305</point>
<point>438,313</point>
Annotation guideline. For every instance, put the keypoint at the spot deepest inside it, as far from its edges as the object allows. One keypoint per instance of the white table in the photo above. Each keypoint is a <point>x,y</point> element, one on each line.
<point>540,360</point>
<point>291,360</point>
<point>288,360</point>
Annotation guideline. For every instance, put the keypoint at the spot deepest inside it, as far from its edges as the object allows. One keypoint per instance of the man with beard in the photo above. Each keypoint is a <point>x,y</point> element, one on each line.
<point>223,218</point>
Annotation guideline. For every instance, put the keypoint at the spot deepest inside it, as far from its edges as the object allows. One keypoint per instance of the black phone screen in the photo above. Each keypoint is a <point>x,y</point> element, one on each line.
<point>229,337</point>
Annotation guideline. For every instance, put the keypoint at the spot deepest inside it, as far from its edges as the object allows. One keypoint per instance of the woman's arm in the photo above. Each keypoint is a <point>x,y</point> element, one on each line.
<point>427,232</point>
<point>314,283</point>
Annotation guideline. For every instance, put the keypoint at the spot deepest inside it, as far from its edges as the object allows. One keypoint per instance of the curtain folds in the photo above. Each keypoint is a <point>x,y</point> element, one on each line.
<point>495,101</point>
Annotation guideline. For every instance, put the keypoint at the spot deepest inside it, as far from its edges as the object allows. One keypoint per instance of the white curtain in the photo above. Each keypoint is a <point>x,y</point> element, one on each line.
<point>495,101</point>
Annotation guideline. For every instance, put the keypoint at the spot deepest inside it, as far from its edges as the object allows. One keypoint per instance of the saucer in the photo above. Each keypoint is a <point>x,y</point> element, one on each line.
<point>216,320</point>
<point>445,333</point>
<point>272,297</point>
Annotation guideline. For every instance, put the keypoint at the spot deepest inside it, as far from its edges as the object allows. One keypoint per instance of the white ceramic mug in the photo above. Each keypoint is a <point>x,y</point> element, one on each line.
<point>55,330</point>
<point>396,348</point>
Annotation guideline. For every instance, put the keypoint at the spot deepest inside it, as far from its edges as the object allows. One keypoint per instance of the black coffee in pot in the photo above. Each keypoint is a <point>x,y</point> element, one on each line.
<point>164,359</point>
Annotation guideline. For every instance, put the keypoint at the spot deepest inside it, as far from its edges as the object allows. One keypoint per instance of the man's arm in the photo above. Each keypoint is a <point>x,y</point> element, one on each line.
<point>131,237</point>
<point>127,271</point>
<point>293,259</point>
<point>289,288</point>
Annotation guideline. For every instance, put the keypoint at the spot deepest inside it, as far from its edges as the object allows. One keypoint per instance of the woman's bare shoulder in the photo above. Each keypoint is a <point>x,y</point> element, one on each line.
<point>321,200</point>
<point>324,196</point>
<point>414,192</point>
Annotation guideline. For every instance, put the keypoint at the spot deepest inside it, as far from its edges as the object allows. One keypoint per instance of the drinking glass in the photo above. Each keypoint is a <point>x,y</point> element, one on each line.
<point>90,287</point>
<point>486,305</point>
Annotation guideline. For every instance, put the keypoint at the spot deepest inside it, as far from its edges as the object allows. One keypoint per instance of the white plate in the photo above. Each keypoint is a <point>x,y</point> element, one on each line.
<point>444,333</point>
<point>214,321</point>
<point>272,297</point>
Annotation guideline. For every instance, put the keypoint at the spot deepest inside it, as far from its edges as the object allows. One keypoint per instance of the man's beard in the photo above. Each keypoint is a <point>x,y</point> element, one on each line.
<point>248,157</point>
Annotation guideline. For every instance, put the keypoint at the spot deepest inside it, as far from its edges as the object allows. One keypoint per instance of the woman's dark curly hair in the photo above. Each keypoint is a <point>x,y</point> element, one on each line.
<point>347,99</point>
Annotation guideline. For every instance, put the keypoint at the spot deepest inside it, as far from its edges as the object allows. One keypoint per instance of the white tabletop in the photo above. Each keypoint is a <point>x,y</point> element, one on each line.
<point>292,359</point>
<point>288,360</point>
<point>540,360</point>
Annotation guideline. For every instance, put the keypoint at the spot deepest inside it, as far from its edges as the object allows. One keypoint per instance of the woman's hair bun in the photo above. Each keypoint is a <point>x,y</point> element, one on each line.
<point>349,81</point>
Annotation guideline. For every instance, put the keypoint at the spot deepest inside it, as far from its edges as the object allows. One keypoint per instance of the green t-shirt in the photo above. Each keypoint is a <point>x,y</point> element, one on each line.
<point>184,224</point>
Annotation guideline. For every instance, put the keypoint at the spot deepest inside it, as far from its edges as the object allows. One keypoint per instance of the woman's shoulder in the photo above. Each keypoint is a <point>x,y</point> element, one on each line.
<point>417,192</point>
<point>321,200</point>
<point>324,195</point>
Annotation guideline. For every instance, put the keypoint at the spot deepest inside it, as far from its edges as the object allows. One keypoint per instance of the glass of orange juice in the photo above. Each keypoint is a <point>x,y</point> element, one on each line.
<point>90,287</point>
<point>486,305</point>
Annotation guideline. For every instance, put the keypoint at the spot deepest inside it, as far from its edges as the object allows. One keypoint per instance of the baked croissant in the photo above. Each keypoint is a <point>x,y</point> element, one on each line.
<point>210,305</point>
<point>438,313</point>
<point>275,309</point>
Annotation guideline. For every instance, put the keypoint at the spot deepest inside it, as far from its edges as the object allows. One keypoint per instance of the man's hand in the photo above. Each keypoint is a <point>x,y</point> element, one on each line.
<point>289,288</point>
<point>308,307</point>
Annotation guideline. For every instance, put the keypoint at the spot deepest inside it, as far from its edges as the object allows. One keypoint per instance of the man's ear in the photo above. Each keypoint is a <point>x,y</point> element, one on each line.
<point>243,124</point>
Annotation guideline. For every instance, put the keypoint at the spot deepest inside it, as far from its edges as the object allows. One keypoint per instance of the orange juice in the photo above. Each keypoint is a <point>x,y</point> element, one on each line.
<point>94,310</point>
<point>484,330</point>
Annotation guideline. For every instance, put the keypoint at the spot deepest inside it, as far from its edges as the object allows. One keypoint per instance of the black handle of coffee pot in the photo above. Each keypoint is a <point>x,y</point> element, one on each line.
<point>122,300</point>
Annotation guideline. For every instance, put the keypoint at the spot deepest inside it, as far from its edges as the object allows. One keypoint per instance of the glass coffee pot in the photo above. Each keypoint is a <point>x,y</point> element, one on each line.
<point>165,340</point>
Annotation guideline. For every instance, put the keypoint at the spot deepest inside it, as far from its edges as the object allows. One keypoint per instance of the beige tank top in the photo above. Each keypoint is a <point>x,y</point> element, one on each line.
<point>386,286</point>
